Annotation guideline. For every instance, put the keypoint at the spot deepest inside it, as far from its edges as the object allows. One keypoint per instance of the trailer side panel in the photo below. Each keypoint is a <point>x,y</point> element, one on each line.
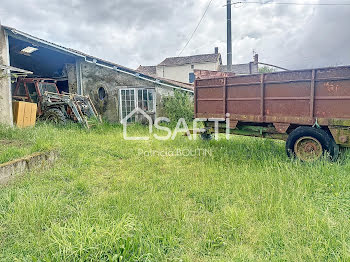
<point>293,97</point>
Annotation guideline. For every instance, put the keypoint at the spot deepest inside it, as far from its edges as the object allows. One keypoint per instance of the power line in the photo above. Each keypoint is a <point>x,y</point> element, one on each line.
<point>195,30</point>
<point>293,3</point>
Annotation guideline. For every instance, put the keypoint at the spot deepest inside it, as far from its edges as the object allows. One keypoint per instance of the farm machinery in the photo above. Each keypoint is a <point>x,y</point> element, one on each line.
<point>54,106</point>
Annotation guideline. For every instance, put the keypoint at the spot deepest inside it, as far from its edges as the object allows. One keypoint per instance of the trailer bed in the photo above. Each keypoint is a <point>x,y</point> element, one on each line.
<point>303,97</point>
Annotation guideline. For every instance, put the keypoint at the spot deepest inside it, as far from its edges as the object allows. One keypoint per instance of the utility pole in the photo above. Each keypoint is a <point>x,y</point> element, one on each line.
<point>229,37</point>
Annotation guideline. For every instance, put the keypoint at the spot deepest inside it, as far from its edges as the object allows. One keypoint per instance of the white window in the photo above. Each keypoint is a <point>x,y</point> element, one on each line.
<point>127,105</point>
<point>145,100</point>
<point>132,98</point>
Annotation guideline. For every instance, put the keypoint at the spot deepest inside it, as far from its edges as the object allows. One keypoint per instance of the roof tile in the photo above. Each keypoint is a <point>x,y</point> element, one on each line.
<point>196,59</point>
<point>148,70</point>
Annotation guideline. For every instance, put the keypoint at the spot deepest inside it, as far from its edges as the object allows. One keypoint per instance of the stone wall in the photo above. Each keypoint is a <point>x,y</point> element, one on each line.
<point>72,78</point>
<point>95,76</point>
<point>5,83</point>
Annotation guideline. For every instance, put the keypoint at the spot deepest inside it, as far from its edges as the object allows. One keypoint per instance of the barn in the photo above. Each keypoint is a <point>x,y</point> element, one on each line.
<point>114,89</point>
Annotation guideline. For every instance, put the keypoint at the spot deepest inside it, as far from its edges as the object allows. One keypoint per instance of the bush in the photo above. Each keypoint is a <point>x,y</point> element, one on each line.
<point>179,106</point>
<point>267,69</point>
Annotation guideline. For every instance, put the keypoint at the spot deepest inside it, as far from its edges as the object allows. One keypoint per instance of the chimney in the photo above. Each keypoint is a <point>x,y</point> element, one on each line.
<point>256,59</point>
<point>216,50</point>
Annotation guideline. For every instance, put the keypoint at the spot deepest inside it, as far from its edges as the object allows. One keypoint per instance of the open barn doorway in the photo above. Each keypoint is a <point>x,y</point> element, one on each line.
<point>43,61</point>
<point>63,86</point>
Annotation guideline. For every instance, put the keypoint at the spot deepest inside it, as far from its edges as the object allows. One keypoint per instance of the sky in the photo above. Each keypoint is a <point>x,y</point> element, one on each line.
<point>145,32</point>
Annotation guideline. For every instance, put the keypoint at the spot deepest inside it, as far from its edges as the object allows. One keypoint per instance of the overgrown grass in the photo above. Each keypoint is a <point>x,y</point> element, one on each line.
<point>105,201</point>
<point>16,143</point>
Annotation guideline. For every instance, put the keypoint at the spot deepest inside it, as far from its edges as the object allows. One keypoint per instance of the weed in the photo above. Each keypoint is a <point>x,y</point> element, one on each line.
<point>105,202</point>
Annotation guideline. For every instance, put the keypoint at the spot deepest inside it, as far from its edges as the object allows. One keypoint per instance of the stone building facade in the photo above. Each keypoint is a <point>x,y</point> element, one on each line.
<point>114,89</point>
<point>5,82</point>
<point>96,78</point>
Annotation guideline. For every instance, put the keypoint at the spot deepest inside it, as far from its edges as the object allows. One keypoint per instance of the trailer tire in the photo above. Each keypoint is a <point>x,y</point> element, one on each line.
<point>310,144</point>
<point>55,116</point>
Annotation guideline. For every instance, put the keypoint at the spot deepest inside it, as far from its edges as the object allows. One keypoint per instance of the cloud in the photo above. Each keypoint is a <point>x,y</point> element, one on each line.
<point>145,32</point>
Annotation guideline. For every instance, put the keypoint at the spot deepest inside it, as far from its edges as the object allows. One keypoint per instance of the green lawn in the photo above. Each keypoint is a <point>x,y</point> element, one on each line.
<point>105,202</point>
<point>11,148</point>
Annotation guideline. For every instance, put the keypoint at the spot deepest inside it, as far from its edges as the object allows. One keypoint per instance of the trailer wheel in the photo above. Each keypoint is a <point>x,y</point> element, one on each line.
<point>310,144</point>
<point>55,116</point>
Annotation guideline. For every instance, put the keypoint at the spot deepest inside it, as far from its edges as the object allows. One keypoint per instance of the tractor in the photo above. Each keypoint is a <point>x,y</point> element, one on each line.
<point>54,106</point>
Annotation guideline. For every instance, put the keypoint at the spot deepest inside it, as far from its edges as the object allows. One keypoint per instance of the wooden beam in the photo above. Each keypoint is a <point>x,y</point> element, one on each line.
<point>15,69</point>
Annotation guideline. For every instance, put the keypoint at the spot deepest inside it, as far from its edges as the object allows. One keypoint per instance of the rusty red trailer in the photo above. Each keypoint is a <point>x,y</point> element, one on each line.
<point>311,103</point>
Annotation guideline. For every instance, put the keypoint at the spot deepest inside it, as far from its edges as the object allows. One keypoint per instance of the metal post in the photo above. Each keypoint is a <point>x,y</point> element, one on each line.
<point>312,95</point>
<point>229,37</point>
<point>79,77</point>
<point>225,97</point>
<point>262,98</point>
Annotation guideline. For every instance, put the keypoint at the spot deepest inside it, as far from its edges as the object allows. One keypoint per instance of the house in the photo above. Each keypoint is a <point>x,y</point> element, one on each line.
<point>182,68</point>
<point>114,89</point>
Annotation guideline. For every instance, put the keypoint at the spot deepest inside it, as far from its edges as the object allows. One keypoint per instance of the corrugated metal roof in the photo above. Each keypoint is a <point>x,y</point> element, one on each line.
<point>161,81</point>
<point>195,59</point>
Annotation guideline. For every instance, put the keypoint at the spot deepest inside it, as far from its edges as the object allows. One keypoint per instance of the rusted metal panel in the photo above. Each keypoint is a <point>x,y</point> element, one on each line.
<point>294,97</point>
<point>332,108</point>
<point>247,118</point>
<point>289,76</point>
<point>210,93</point>
<point>210,108</point>
<point>225,98</point>
<point>244,79</point>
<point>214,82</point>
<point>333,72</point>
<point>244,107</point>
<point>312,95</point>
<point>298,89</point>
<point>281,127</point>
<point>195,97</point>
<point>208,115</point>
<point>233,124</point>
<point>341,135</point>
<point>207,74</point>
<point>262,96</point>
<point>287,108</point>
<point>240,92</point>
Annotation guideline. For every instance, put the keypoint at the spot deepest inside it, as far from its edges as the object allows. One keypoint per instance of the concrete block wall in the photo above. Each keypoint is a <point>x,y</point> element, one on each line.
<point>34,162</point>
<point>6,116</point>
